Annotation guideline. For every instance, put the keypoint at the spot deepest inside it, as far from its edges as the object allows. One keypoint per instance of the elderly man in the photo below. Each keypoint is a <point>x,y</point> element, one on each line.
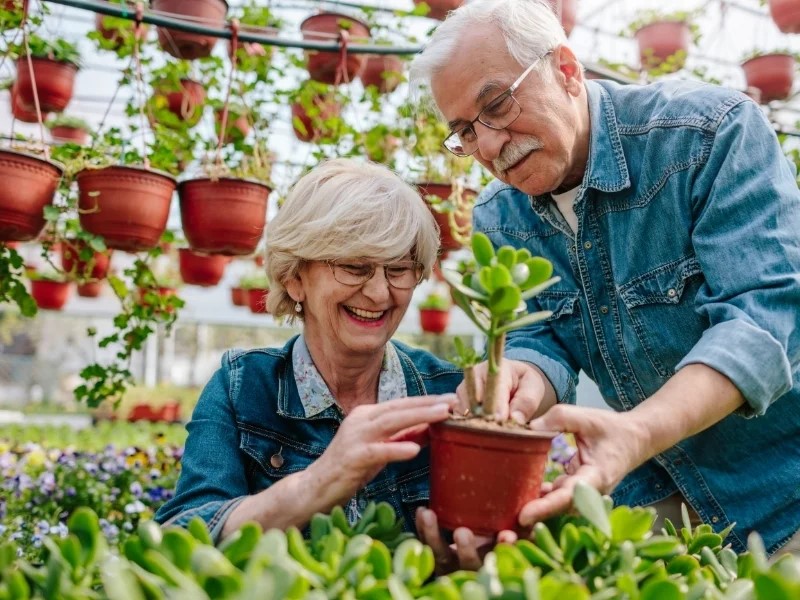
<point>672,218</point>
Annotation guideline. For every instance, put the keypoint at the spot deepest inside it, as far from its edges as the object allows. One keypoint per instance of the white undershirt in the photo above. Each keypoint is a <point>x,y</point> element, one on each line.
<point>564,203</point>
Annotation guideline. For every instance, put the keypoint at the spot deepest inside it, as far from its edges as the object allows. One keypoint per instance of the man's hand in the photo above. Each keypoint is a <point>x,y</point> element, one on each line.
<point>523,392</point>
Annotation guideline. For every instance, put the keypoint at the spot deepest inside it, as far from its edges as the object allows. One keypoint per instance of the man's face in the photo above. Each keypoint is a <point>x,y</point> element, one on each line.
<point>542,149</point>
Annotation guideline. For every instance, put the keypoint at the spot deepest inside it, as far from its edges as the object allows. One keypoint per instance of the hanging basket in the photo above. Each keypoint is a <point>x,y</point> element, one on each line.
<point>183,44</point>
<point>72,263</point>
<point>257,300</point>
<point>786,14</point>
<point>385,72</point>
<point>202,269</point>
<point>186,102</point>
<point>432,320</point>
<point>55,81</point>
<point>64,133</point>
<point>50,295</point>
<point>328,67</point>
<point>21,111</point>
<point>771,74</point>
<point>663,44</point>
<point>223,216</point>
<point>116,29</point>
<point>236,129</point>
<point>440,8</point>
<point>309,124</point>
<point>92,289</point>
<point>462,221</point>
<point>238,296</point>
<point>27,185</point>
<point>127,206</point>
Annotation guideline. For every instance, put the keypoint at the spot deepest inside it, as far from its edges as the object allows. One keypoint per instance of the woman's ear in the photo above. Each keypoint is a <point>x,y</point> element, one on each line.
<point>294,287</point>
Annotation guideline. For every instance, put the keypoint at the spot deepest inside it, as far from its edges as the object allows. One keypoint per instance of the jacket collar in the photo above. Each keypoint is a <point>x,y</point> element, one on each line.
<point>606,169</point>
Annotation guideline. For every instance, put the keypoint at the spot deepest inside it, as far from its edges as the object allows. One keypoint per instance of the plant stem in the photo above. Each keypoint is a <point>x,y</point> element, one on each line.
<point>495,354</point>
<point>472,390</point>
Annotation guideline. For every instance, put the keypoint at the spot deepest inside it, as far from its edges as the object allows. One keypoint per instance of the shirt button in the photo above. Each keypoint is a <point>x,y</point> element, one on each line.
<point>626,378</point>
<point>671,292</point>
<point>658,486</point>
<point>715,519</point>
<point>604,309</point>
<point>587,245</point>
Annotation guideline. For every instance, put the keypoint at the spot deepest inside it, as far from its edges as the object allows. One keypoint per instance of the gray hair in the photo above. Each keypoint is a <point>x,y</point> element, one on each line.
<point>530,29</point>
<point>346,208</point>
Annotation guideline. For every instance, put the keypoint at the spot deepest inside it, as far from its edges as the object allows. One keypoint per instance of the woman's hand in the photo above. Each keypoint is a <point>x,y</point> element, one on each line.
<point>466,552</point>
<point>370,437</point>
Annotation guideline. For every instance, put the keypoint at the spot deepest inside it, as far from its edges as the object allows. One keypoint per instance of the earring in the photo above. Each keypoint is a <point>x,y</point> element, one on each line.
<point>298,308</point>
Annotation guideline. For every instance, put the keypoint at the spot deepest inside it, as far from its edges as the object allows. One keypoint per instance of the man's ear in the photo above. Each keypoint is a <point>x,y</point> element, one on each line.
<point>570,72</point>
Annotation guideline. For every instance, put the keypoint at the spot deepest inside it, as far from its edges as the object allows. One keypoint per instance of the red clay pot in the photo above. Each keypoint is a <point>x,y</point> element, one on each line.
<point>434,321</point>
<point>185,103</point>
<point>95,268</point>
<point>201,269</point>
<point>481,479</point>
<point>786,14</point>
<point>182,44</point>
<point>50,295</point>
<point>566,11</point>
<point>257,300</point>
<point>15,4</point>
<point>170,412</point>
<point>661,40</point>
<point>440,8</point>
<point>224,216</point>
<point>239,296</point>
<point>93,289</point>
<point>127,206</point>
<point>772,74</point>
<point>314,126</point>
<point>327,67</point>
<point>443,191</point>
<point>54,83</point>
<point>383,71</point>
<point>21,111</point>
<point>28,185</point>
<point>141,412</point>
<point>62,133</point>
<point>116,33</point>
<point>236,128</point>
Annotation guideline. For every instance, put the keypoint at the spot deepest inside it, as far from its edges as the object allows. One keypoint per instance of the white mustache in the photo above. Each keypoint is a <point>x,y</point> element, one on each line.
<point>512,154</point>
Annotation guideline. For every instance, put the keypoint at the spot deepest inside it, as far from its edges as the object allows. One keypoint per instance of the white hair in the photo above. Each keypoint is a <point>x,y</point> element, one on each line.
<point>345,208</point>
<point>529,28</point>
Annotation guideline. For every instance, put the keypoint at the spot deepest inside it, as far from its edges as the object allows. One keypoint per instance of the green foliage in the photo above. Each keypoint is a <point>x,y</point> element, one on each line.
<point>63,120</point>
<point>59,50</point>
<point>434,301</point>
<point>12,288</point>
<point>254,280</point>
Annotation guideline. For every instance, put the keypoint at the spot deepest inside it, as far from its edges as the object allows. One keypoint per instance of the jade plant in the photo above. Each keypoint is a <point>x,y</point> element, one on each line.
<point>493,295</point>
<point>435,301</point>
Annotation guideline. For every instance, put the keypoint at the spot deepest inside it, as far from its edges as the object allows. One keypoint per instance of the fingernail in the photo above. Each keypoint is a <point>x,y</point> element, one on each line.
<point>518,416</point>
<point>536,424</point>
<point>427,517</point>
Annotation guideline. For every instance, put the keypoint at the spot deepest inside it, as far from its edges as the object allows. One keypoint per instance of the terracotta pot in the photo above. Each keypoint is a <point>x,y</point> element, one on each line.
<point>772,74</point>
<point>383,71</point>
<point>127,206</point>
<point>566,11</point>
<point>21,111</point>
<point>185,103</point>
<point>141,412</point>
<point>182,44</point>
<point>62,133</point>
<point>328,67</point>
<point>201,269</point>
<point>482,478</point>
<point>50,295</point>
<point>15,5</point>
<point>259,259</point>
<point>95,268</point>
<point>786,14</point>
<point>116,33</point>
<point>54,83</point>
<point>170,412</point>
<point>239,296</point>
<point>224,216</point>
<point>236,129</point>
<point>433,320</point>
<point>313,126</point>
<point>661,40</point>
<point>257,300</point>
<point>93,289</point>
<point>443,191</point>
<point>440,8</point>
<point>27,185</point>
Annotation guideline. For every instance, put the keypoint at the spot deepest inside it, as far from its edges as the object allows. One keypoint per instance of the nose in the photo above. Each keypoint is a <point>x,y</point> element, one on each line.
<point>490,141</point>
<point>377,286</point>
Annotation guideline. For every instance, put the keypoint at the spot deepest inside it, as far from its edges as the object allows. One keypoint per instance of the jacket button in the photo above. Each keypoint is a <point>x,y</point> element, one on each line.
<point>276,460</point>
<point>604,309</point>
<point>587,245</point>
<point>715,519</point>
<point>671,292</point>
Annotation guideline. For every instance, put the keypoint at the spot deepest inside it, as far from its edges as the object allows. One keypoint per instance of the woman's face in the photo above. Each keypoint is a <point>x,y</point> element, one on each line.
<point>349,319</point>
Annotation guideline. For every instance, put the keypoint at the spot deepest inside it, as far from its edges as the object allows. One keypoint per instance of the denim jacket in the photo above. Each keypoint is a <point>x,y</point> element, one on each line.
<point>250,411</point>
<point>687,251</point>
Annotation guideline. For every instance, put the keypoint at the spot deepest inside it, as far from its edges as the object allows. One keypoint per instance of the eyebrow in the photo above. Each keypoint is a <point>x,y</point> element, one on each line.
<point>488,88</point>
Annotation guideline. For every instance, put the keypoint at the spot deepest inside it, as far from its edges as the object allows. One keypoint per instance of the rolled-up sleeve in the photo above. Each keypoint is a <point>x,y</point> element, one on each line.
<point>746,237</point>
<point>213,479</point>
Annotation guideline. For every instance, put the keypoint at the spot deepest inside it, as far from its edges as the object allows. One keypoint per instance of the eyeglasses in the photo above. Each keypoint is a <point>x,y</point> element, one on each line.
<point>498,114</point>
<point>402,274</point>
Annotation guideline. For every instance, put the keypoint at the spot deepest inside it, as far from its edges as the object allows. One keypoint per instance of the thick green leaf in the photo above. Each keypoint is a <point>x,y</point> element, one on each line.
<point>482,248</point>
<point>506,256</point>
<point>541,270</point>
<point>538,289</point>
<point>504,300</point>
<point>630,523</point>
<point>661,590</point>
<point>524,321</point>
<point>590,504</point>
<point>453,279</point>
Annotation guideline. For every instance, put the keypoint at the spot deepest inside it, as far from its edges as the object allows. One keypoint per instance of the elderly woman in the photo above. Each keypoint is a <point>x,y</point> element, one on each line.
<point>279,434</point>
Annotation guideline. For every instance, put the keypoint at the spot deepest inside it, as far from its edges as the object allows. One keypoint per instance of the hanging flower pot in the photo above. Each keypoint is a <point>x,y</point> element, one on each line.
<point>127,206</point>
<point>239,296</point>
<point>73,261</point>
<point>198,268</point>
<point>481,478</point>
<point>29,183</point>
<point>663,44</point>
<point>771,74</point>
<point>440,8</point>
<point>223,216</point>
<point>20,110</point>
<point>434,320</point>
<point>183,44</point>
<point>257,300</point>
<point>566,11</point>
<point>117,29</point>
<point>186,101</point>
<point>65,133</point>
<point>384,71</point>
<point>92,289</point>
<point>453,222</point>
<point>55,81</point>
<point>331,67</point>
<point>786,14</point>
<point>237,127</point>
<point>156,296</point>
<point>50,295</point>
<point>308,122</point>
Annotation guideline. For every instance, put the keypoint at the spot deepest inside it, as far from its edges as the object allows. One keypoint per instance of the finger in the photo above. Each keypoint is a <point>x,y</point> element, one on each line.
<point>562,417</point>
<point>466,549</point>
<point>389,424</point>
<point>507,537</point>
<point>428,530</point>
<point>555,503</point>
<point>386,452</point>
<point>408,403</point>
<point>418,434</point>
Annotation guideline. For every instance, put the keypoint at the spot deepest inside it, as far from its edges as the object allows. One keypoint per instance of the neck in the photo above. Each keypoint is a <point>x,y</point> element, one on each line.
<point>580,158</point>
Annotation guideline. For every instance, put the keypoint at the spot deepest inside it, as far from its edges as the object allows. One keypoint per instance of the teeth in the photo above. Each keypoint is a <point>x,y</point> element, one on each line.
<point>366,314</point>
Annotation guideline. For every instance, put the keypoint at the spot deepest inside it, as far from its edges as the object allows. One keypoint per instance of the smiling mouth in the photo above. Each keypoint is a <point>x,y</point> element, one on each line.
<point>368,316</point>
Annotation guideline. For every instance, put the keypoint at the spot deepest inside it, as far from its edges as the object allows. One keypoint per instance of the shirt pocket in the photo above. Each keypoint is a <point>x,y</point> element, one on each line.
<point>662,310</point>
<point>566,323</point>
<point>272,457</point>
<point>412,490</point>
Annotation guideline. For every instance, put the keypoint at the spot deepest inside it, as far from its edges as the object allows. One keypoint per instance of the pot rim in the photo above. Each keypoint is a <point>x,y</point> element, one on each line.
<point>52,60</point>
<point>219,179</point>
<point>61,168</point>
<point>149,170</point>
<point>511,433</point>
<point>333,13</point>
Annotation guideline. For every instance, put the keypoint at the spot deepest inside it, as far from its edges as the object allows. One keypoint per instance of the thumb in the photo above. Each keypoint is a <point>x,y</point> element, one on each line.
<point>562,418</point>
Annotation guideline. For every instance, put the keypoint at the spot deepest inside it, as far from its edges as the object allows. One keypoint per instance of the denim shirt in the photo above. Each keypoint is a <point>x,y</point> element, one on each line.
<point>250,411</point>
<point>687,251</point>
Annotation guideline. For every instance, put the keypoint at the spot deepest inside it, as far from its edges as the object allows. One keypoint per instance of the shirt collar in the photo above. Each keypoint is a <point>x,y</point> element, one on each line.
<point>315,397</point>
<point>606,168</point>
